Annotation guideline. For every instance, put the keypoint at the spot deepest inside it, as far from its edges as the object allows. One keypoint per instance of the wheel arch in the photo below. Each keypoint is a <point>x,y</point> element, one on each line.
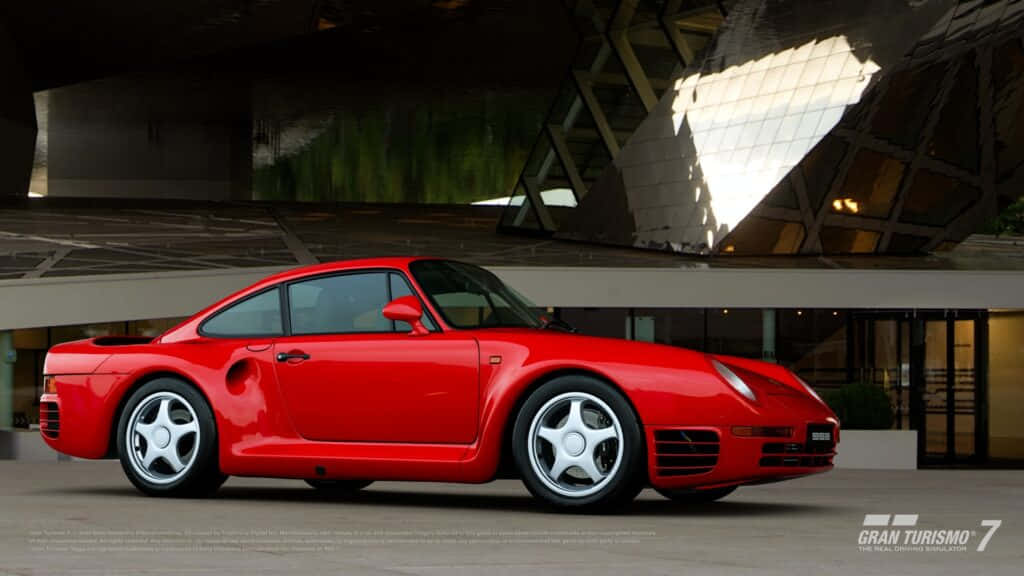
<point>139,382</point>
<point>506,462</point>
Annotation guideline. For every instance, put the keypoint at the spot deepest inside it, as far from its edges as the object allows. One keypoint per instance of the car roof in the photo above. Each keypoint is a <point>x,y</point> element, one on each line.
<point>190,326</point>
<point>399,262</point>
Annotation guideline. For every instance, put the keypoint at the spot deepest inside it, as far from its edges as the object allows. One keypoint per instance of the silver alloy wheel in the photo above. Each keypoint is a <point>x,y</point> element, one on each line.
<point>575,444</point>
<point>162,437</point>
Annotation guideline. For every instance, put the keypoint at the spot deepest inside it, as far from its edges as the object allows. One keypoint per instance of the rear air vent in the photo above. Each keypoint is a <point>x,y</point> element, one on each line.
<point>685,452</point>
<point>49,419</point>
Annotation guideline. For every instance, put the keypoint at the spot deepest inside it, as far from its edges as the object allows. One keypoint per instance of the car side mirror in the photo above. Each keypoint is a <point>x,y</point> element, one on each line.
<point>407,309</point>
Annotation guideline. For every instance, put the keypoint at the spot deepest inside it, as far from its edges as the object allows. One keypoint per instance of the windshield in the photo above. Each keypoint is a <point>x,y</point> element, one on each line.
<point>471,297</point>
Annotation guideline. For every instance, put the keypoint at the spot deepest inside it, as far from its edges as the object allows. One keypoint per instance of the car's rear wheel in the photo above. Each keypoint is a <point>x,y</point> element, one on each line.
<point>691,496</point>
<point>338,487</point>
<point>578,445</point>
<point>167,440</point>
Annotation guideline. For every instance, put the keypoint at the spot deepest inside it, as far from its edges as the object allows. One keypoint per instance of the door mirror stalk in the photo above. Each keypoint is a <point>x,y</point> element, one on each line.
<point>407,309</point>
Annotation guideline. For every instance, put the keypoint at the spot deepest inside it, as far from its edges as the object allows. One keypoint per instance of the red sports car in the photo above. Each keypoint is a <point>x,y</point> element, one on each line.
<point>424,369</point>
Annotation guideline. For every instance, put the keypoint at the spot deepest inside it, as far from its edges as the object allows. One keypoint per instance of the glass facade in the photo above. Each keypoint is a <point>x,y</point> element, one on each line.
<point>821,127</point>
<point>952,375</point>
<point>949,374</point>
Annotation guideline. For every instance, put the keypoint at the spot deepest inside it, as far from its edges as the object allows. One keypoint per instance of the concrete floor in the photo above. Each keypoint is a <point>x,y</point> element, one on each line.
<point>85,518</point>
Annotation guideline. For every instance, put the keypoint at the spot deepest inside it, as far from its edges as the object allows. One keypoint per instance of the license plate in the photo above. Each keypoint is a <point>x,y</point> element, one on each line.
<point>819,435</point>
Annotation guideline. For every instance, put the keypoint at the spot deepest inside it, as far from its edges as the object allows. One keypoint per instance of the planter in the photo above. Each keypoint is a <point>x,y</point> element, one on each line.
<point>877,449</point>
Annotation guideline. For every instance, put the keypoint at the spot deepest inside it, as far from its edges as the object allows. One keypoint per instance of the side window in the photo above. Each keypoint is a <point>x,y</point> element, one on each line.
<point>399,288</point>
<point>258,315</point>
<point>339,304</point>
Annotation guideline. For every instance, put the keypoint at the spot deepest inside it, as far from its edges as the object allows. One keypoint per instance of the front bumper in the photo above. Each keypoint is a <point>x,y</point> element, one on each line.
<point>714,456</point>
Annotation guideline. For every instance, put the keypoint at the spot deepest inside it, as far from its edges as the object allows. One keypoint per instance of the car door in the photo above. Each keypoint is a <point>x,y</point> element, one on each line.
<point>350,375</point>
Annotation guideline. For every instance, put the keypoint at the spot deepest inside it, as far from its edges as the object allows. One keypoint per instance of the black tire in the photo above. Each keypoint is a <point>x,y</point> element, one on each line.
<point>338,488</point>
<point>622,486</point>
<point>690,496</point>
<point>203,476</point>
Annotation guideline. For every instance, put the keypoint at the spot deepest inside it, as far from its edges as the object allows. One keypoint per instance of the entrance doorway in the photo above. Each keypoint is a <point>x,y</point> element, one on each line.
<point>932,365</point>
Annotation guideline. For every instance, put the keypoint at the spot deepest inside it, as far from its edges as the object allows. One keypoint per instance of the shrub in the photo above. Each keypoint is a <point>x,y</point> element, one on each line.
<point>860,406</point>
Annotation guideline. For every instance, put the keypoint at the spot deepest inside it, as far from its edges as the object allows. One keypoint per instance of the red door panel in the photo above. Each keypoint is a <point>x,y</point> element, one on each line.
<point>389,387</point>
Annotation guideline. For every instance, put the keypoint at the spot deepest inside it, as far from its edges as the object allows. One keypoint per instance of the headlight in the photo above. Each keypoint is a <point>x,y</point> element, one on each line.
<point>808,388</point>
<point>733,380</point>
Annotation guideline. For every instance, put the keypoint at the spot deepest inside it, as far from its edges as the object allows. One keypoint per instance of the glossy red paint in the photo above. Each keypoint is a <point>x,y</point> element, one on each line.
<point>407,406</point>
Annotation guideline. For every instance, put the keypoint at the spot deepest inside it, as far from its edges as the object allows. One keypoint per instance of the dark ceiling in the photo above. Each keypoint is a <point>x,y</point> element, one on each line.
<point>68,41</point>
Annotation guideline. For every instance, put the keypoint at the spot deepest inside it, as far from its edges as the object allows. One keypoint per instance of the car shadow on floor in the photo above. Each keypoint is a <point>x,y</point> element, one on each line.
<point>733,506</point>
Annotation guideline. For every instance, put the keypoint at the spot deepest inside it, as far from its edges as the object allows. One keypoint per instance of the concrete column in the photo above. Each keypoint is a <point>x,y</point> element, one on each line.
<point>6,378</point>
<point>17,122</point>
<point>768,334</point>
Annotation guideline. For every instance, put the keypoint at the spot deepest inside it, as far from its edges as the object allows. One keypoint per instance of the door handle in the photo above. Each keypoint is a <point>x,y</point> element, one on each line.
<point>286,356</point>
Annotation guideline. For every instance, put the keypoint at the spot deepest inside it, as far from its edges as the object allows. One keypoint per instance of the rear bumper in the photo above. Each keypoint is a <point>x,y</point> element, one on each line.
<point>78,419</point>
<point>689,456</point>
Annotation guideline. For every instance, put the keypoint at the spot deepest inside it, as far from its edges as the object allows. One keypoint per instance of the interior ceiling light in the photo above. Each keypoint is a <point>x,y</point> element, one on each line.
<point>846,205</point>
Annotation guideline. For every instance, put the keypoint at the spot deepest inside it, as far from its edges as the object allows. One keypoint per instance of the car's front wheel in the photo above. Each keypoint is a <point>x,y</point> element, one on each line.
<point>578,445</point>
<point>167,440</point>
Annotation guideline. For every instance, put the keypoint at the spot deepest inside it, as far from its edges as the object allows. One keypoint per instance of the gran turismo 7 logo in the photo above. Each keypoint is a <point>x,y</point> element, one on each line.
<point>899,533</point>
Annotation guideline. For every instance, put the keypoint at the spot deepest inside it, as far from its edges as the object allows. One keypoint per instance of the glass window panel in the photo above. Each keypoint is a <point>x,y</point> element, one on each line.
<point>783,196</point>
<point>797,149</point>
<point>769,131</point>
<point>833,69</point>
<point>905,104</point>
<point>734,331</point>
<point>819,168</point>
<point>955,139</point>
<point>1006,395</point>
<point>788,127</point>
<point>731,139</point>
<point>808,124</point>
<point>812,343</point>
<point>800,100</point>
<point>752,84</point>
<point>349,303</point>
<point>30,339</point>
<point>791,76</point>
<point>812,72</point>
<point>824,96</point>
<point>829,118</point>
<point>607,322</point>
<point>757,235</point>
<point>400,288</point>
<point>907,243</point>
<point>772,79</point>
<point>777,154</point>
<point>60,334</point>
<point>871,184</point>
<point>757,158</point>
<point>683,327</point>
<point>153,327</point>
<point>936,199</point>
<point>835,240</point>
<point>733,88</point>
<point>258,315</point>
<point>823,47</point>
